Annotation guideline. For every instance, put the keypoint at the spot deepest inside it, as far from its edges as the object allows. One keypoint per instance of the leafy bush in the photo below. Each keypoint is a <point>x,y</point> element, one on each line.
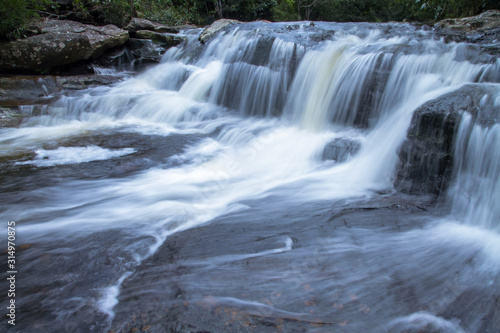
<point>16,14</point>
<point>117,12</point>
<point>285,11</point>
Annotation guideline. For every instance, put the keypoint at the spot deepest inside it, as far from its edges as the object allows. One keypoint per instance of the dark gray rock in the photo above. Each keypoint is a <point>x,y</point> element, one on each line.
<point>10,117</point>
<point>79,82</point>
<point>24,90</point>
<point>483,28</point>
<point>145,51</point>
<point>487,20</point>
<point>165,39</point>
<point>137,24</point>
<point>340,150</point>
<point>60,43</point>
<point>44,51</point>
<point>426,157</point>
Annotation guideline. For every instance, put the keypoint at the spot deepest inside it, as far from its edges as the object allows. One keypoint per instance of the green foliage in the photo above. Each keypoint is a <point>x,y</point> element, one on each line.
<point>358,11</point>
<point>433,10</point>
<point>285,11</point>
<point>16,14</point>
<point>117,12</point>
<point>172,12</point>
<point>382,10</point>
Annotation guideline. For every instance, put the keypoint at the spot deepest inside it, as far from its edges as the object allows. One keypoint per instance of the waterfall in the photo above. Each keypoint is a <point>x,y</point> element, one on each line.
<point>356,86</point>
<point>474,195</point>
<point>271,145</point>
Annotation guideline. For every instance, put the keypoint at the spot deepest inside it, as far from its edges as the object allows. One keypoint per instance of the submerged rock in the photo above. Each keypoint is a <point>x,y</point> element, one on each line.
<point>340,150</point>
<point>59,43</point>
<point>214,28</point>
<point>426,157</point>
<point>28,90</point>
<point>165,39</point>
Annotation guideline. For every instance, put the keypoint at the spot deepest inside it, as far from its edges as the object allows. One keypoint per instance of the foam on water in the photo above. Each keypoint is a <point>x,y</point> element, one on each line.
<point>424,321</point>
<point>73,155</point>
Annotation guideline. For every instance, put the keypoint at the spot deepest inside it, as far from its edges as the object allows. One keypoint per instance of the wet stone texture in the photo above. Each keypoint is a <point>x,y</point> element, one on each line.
<point>426,157</point>
<point>212,278</point>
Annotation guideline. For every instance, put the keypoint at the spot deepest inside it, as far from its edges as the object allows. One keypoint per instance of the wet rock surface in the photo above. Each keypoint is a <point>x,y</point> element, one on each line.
<point>222,277</point>
<point>28,90</point>
<point>340,150</point>
<point>10,117</point>
<point>164,39</point>
<point>487,20</point>
<point>426,157</point>
<point>483,28</point>
<point>145,51</point>
<point>150,151</point>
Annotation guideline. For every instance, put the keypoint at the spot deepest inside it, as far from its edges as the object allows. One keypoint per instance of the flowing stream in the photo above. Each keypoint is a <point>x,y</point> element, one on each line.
<point>203,183</point>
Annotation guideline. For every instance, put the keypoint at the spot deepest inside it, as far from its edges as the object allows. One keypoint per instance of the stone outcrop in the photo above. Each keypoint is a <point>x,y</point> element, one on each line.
<point>214,28</point>
<point>10,117</point>
<point>27,90</point>
<point>137,24</point>
<point>483,28</point>
<point>19,94</point>
<point>149,47</point>
<point>164,39</point>
<point>426,157</point>
<point>487,20</point>
<point>144,51</point>
<point>59,43</point>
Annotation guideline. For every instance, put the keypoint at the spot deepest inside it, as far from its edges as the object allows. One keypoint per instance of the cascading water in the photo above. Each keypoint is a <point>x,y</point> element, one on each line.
<point>224,143</point>
<point>475,193</point>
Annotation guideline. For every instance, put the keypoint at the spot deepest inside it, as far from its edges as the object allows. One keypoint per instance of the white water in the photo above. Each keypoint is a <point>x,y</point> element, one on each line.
<point>72,155</point>
<point>296,112</point>
<point>476,192</point>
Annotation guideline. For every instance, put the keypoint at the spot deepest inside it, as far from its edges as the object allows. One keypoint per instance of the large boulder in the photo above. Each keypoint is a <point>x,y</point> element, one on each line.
<point>59,43</point>
<point>214,28</point>
<point>426,157</point>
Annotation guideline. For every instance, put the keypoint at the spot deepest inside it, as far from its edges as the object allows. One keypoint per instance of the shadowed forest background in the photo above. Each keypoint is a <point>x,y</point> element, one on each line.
<point>15,14</point>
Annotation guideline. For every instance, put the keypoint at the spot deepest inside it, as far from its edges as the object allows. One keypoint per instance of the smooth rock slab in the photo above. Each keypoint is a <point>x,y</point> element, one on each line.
<point>60,43</point>
<point>214,28</point>
<point>137,24</point>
